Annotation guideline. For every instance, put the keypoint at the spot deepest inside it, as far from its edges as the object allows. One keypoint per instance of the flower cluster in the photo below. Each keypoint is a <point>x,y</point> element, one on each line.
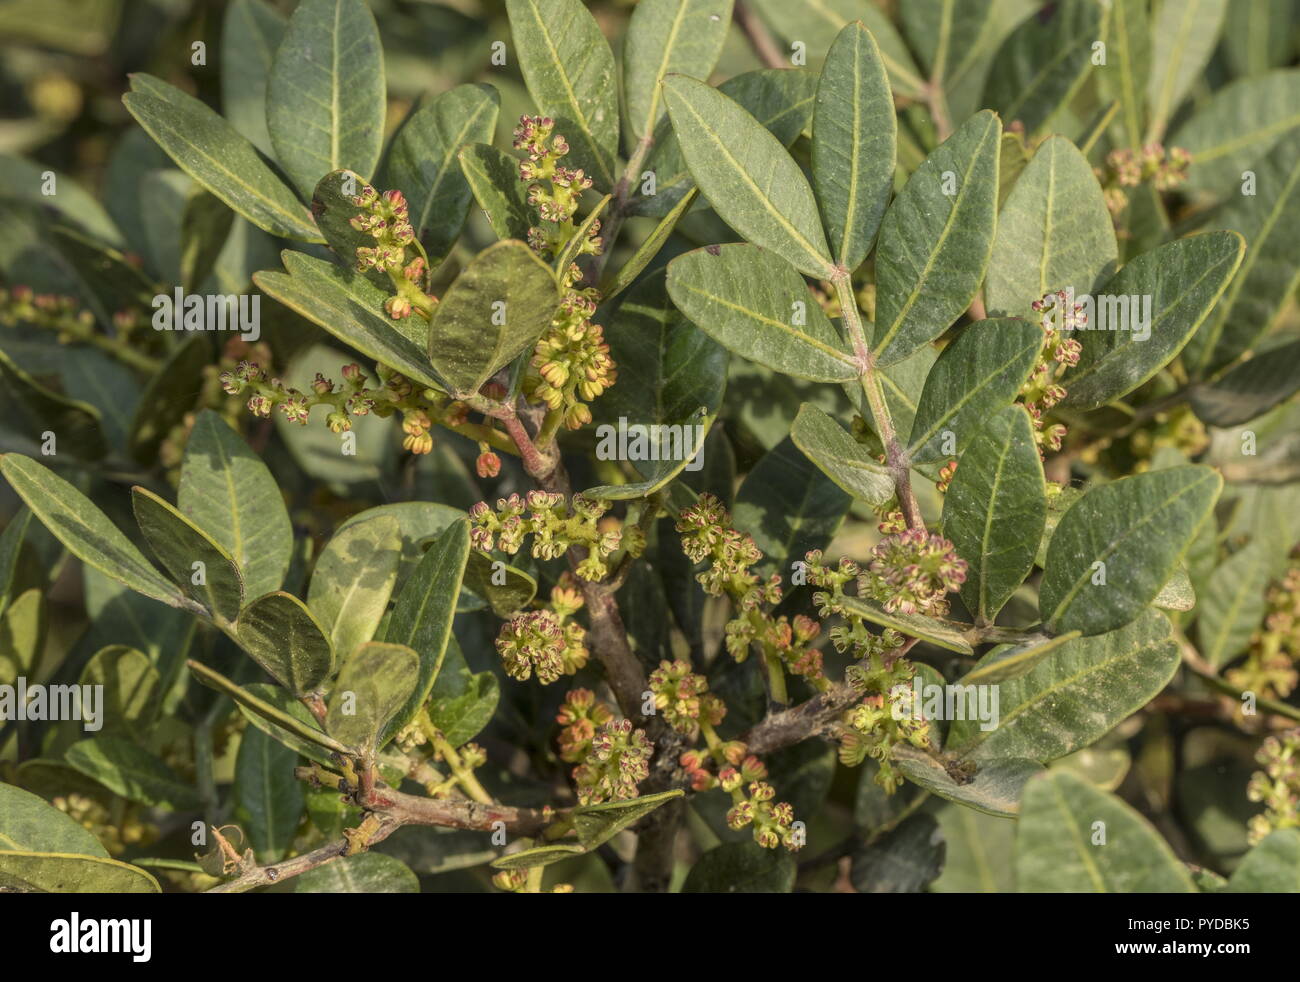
<point>1270,665</point>
<point>118,833</point>
<point>516,881</point>
<point>571,365</point>
<point>396,252</point>
<point>420,408</point>
<point>1277,786</point>
<point>580,715</point>
<point>54,313</point>
<point>881,722</point>
<point>615,763</point>
<point>911,572</point>
<point>683,697</point>
<point>546,642</point>
<point>1043,390</point>
<point>554,525</point>
<point>1127,168</point>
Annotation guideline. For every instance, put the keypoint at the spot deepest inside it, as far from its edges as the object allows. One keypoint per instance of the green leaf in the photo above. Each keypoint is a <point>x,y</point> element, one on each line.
<point>747,175</point>
<point>493,177</point>
<point>373,686</point>
<point>24,628</point>
<point>333,208</point>
<point>817,23</point>
<point>854,144</point>
<point>596,824</point>
<point>1177,593</point>
<point>180,546</point>
<point>994,790</point>
<point>228,492</point>
<point>325,95</point>
<point>419,522</point>
<point>352,582</point>
<point>423,614</point>
<point>979,854</point>
<point>53,872</point>
<point>366,872</point>
<point>755,304</point>
<point>1250,389</point>
<point>209,149</point>
<point>1273,866</point>
<point>30,824</point>
<point>741,867</point>
<point>933,246</point>
<point>678,37</point>
<point>497,307</point>
<point>1238,126</point>
<point>671,380</point>
<point>205,224</point>
<point>1138,527</point>
<point>462,703</point>
<point>616,283</point>
<point>977,374</point>
<point>779,98</point>
<point>25,180</point>
<point>1234,604</point>
<point>904,859</point>
<point>1268,276</point>
<point>515,591</point>
<point>167,397</point>
<point>284,637</point>
<point>73,519</point>
<point>268,795</point>
<point>1073,695</point>
<point>132,772</point>
<point>840,457</point>
<point>78,427</point>
<point>347,305</point>
<point>995,510</point>
<point>267,705</point>
<point>537,856</point>
<point>1183,38</point>
<point>935,28</point>
<point>569,70</point>
<point>1257,36</point>
<point>422,161</point>
<point>1057,850</point>
<point>789,507</point>
<point>1129,57</point>
<point>1054,232</point>
<point>1122,349</point>
<point>945,634</point>
<point>1043,61</point>
<point>132,689</point>
<point>250,33</point>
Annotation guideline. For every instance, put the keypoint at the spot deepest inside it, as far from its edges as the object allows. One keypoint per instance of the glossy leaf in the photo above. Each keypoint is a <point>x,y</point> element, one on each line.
<point>755,304</point>
<point>748,177</point>
<point>976,375</point>
<point>422,161</point>
<point>373,685</point>
<point>132,689</point>
<point>1138,527</point>
<point>209,149</point>
<point>31,824</point>
<point>1183,279</point>
<point>352,582</point>
<point>132,772</point>
<point>596,824</point>
<point>423,614</point>
<point>189,555</point>
<point>668,37</point>
<point>53,872</point>
<point>1073,695</point>
<point>496,308</point>
<point>934,246</point>
<point>74,520</point>
<point>671,381</point>
<point>507,589</point>
<point>286,639</point>
<point>1054,232</point>
<point>230,495</point>
<point>995,788</point>
<point>853,145</point>
<point>493,178</point>
<point>462,703</point>
<point>325,95</point>
<point>1056,850</point>
<point>995,510</point>
<point>945,634</point>
<point>569,70</point>
<point>840,457</point>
